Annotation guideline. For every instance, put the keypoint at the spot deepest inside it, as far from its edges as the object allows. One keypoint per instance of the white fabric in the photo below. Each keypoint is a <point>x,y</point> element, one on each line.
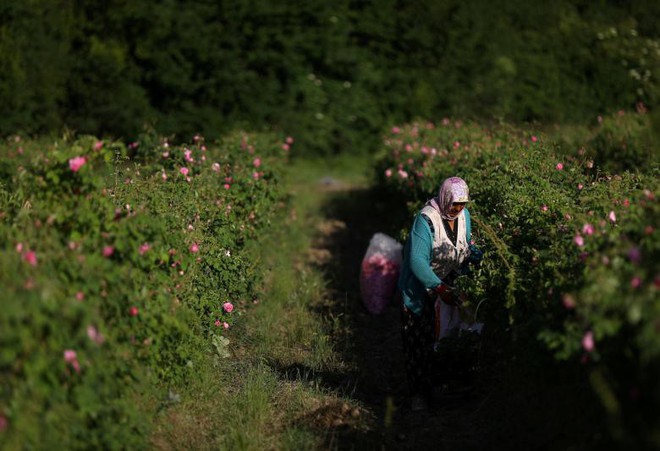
<point>446,258</point>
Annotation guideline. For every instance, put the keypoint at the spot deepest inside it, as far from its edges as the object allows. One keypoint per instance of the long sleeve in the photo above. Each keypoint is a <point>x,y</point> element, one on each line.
<point>421,244</point>
<point>468,226</point>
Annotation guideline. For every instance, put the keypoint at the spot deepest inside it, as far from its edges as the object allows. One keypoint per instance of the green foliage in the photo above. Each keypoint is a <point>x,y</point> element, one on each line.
<point>329,73</point>
<point>624,142</point>
<point>120,274</point>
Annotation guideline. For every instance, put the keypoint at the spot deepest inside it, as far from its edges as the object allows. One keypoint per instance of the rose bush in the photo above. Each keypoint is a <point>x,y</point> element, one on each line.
<point>571,251</point>
<point>119,271</point>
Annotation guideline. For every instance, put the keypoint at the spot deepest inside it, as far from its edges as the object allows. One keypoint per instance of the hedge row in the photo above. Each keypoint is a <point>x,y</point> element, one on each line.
<point>122,266</point>
<point>571,250</point>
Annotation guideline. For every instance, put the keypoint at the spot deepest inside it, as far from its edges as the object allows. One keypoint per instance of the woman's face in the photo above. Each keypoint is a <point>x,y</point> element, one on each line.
<point>456,208</point>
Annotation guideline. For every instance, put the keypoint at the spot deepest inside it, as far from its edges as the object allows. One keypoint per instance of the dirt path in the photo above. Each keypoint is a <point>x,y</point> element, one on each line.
<point>373,343</point>
<point>503,404</point>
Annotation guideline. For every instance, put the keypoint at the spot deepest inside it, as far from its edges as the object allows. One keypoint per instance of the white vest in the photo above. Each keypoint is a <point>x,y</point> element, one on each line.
<point>447,257</point>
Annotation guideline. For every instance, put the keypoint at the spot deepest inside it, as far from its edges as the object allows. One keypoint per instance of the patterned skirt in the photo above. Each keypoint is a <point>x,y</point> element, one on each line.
<point>418,333</point>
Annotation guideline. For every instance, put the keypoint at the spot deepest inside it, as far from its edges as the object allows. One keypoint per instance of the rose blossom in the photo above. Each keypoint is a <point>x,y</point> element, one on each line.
<point>76,163</point>
<point>588,341</point>
<point>30,257</point>
<point>588,229</point>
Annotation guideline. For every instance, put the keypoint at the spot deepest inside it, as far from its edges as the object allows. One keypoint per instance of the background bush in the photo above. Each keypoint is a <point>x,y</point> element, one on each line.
<point>330,74</point>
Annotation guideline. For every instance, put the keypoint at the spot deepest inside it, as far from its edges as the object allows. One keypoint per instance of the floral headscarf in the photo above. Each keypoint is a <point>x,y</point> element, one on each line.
<point>453,189</point>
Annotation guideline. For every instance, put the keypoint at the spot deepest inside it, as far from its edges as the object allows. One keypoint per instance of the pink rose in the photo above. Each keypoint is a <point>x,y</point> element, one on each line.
<point>579,241</point>
<point>194,248</point>
<point>568,301</point>
<point>108,251</point>
<point>559,166</point>
<point>256,162</point>
<point>228,307</point>
<point>95,335</point>
<point>30,257</point>
<point>588,341</point>
<point>76,163</point>
<point>144,248</point>
<point>69,355</point>
<point>184,170</point>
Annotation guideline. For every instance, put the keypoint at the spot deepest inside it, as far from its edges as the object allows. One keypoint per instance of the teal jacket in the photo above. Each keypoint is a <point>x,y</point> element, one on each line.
<point>416,273</point>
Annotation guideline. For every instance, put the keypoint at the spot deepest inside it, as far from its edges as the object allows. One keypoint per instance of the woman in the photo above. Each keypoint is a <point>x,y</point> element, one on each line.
<point>437,250</point>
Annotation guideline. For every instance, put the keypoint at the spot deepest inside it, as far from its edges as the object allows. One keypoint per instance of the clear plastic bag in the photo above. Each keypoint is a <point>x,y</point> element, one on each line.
<point>379,272</point>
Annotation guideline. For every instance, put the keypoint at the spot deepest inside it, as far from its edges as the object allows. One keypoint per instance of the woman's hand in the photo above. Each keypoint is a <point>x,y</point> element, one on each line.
<point>447,295</point>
